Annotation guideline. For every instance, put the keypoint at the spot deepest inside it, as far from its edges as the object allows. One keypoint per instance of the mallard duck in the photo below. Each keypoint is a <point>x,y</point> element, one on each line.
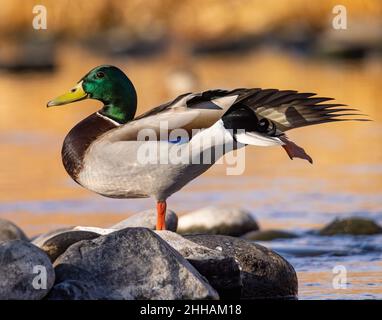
<point>103,152</point>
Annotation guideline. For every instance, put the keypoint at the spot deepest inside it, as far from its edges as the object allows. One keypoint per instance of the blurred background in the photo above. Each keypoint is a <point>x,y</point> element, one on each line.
<point>169,47</point>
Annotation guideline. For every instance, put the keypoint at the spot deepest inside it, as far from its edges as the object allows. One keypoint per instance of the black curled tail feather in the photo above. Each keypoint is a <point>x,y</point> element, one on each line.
<point>240,117</point>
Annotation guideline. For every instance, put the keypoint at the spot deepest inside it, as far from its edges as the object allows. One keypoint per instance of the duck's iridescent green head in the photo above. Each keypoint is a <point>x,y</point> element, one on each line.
<point>109,85</point>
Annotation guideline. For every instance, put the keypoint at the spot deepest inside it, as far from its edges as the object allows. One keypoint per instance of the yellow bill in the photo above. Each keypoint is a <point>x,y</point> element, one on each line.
<point>75,94</point>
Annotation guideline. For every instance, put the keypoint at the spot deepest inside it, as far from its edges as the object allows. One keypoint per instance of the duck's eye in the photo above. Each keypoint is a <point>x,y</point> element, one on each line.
<point>100,74</point>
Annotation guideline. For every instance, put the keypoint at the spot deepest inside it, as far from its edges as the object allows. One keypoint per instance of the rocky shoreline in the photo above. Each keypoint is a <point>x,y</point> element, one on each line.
<point>209,254</point>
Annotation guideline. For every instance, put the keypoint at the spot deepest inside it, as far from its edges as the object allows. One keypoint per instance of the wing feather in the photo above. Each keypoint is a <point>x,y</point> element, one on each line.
<point>285,109</point>
<point>288,109</point>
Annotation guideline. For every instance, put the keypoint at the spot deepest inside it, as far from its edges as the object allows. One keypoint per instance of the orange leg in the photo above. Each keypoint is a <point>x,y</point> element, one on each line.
<point>161,215</point>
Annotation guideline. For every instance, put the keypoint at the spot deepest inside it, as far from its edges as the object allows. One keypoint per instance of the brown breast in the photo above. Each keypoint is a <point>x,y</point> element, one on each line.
<point>79,139</point>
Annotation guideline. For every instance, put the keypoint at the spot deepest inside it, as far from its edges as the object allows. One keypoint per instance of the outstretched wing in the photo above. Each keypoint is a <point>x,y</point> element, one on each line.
<point>267,114</point>
<point>289,109</point>
<point>278,110</point>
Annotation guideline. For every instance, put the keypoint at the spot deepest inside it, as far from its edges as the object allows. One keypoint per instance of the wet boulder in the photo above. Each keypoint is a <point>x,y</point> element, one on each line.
<point>49,233</point>
<point>9,231</point>
<point>26,272</point>
<point>264,273</point>
<point>268,235</point>
<point>133,263</point>
<point>216,220</point>
<point>147,219</point>
<point>351,226</point>
<point>55,243</point>
<point>221,271</point>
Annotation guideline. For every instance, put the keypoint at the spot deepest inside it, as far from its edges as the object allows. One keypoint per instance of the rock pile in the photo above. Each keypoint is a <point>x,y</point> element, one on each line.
<point>131,261</point>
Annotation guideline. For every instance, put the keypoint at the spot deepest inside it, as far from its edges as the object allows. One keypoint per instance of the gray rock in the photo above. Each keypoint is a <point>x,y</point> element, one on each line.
<point>215,220</point>
<point>268,235</point>
<point>55,243</point>
<point>264,273</point>
<point>26,272</point>
<point>45,235</point>
<point>352,226</point>
<point>133,263</point>
<point>9,231</point>
<point>221,271</point>
<point>147,219</point>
